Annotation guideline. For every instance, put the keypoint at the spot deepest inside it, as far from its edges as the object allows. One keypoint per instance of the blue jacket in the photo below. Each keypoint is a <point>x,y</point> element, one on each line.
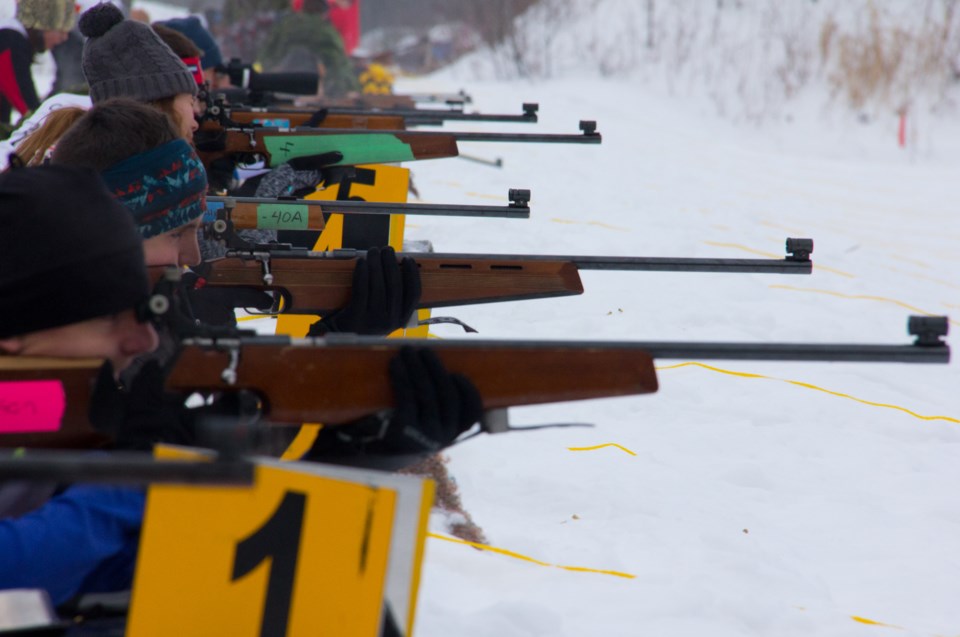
<point>81,541</point>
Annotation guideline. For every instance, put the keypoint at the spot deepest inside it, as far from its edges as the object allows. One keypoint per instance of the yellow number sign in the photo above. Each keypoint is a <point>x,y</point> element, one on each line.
<point>385,184</point>
<point>382,183</point>
<point>305,551</point>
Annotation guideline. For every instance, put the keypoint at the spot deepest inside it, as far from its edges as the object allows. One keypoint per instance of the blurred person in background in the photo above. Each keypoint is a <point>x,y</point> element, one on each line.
<point>69,77</point>
<point>307,29</point>
<point>39,25</point>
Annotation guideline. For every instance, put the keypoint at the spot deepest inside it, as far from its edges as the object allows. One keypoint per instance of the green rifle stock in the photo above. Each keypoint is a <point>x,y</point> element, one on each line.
<point>276,145</point>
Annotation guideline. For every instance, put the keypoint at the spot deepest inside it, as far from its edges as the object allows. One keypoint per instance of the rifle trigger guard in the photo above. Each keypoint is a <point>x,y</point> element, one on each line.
<point>495,421</point>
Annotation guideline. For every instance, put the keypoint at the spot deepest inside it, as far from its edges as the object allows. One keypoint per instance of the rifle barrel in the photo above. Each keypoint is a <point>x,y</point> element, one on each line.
<point>119,468</point>
<point>809,352</point>
<point>651,264</point>
<point>437,116</point>
<point>411,115</point>
<point>534,138</point>
<point>589,134</point>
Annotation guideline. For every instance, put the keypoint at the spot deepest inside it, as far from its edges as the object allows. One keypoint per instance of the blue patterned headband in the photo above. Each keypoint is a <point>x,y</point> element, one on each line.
<point>163,188</point>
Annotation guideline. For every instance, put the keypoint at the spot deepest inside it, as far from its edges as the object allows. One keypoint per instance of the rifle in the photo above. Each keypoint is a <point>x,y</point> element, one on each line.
<point>305,282</point>
<point>340,378</point>
<point>350,117</point>
<point>247,97</point>
<point>277,146</point>
<point>456,99</point>
<point>276,118</point>
<point>251,87</point>
<point>224,215</point>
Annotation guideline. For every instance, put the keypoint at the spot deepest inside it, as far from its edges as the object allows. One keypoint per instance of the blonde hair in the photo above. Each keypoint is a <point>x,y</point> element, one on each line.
<point>36,146</point>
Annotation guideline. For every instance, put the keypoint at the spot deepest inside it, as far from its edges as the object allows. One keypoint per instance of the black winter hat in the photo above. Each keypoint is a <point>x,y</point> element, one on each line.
<point>125,58</point>
<point>69,251</point>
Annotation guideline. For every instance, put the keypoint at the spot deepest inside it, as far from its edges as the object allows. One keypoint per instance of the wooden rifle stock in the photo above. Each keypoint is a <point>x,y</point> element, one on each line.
<point>320,285</point>
<point>76,378</point>
<point>340,379</point>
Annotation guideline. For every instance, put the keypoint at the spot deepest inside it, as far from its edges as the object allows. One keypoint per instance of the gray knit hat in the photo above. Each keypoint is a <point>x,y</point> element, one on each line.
<point>46,15</point>
<point>125,58</point>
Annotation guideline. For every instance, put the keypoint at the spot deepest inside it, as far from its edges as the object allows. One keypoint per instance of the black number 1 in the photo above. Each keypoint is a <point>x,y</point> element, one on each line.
<point>279,539</point>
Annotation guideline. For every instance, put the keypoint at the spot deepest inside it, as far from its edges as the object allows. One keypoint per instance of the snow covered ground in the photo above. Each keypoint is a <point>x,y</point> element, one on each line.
<point>743,498</point>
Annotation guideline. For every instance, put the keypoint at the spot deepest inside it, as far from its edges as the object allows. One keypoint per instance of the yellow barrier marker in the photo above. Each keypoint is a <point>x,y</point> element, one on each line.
<point>609,444</point>
<point>809,386</point>
<point>860,297</point>
<point>492,549</point>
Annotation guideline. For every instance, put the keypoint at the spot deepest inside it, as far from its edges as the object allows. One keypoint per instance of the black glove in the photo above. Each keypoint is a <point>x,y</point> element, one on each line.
<point>140,415</point>
<point>384,296</point>
<point>221,174</point>
<point>433,407</point>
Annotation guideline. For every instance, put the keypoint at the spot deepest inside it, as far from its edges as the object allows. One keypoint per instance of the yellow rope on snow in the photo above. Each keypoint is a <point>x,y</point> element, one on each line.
<point>493,549</point>
<point>609,444</point>
<point>809,386</point>
<point>870,622</point>
<point>860,297</point>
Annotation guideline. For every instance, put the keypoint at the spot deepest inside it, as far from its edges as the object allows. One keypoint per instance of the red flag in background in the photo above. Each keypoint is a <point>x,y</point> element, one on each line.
<point>345,16</point>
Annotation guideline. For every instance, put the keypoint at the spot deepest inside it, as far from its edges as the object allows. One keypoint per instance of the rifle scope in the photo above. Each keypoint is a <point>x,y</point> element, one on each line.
<point>245,77</point>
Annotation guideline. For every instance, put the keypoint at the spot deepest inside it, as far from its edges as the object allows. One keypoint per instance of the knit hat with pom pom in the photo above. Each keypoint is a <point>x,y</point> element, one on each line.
<point>125,58</point>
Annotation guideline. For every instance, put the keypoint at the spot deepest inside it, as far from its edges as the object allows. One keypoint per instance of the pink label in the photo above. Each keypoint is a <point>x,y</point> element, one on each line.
<point>30,406</point>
